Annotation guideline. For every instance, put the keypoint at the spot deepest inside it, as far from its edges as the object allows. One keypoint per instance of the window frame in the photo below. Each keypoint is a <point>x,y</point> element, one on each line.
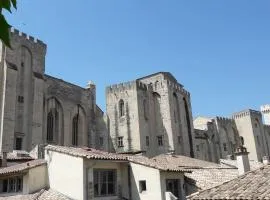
<point>225,147</point>
<point>100,174</point>
<point>142,186</point>
<point>12,185</point>
<point>147,141</point>
<point>121,108</point>
<point>120,142</point>
<point>160,141</point>
<point>21,143</point>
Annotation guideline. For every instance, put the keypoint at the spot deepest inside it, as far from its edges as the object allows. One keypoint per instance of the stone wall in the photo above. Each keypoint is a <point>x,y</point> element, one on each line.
<point>27,96</point>
<point>156,108</point>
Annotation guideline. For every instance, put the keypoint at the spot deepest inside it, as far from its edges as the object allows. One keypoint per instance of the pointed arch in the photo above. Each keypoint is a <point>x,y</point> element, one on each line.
<point>189,127</point>
<point>75,128</point>
<point>78,127</point>
<point>54,133</point>
<point>121,108</point>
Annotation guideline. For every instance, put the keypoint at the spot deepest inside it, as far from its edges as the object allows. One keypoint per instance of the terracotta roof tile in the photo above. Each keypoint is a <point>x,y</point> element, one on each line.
<point>22,167</point>
<point>252,185</point>
<point>253,164</point>
<point>207,178</point>
<point>41,195</point>
<point>89,153</point>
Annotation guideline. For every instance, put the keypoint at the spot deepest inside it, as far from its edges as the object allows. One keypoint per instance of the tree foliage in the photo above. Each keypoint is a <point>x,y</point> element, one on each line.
<point>4,26</point>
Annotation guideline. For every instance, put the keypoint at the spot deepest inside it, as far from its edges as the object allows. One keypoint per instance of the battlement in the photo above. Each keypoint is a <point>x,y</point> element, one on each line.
<point>245,113</point>
<point>266,126</point>
<point>121,87</point>
<point>177,87</point>
<point>224,120</point>
<point>265,108</point>
<point>128,85</point>
<point>16,33</point>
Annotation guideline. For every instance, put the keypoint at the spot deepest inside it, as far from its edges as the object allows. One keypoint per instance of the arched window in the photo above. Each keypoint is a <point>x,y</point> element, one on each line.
<point>189,128</point>
<point>121,108</point>
<point>50,127</point>
<point>75,128</point>
<point>242,141</point>
<point>176,108</point>
<point>145,109</point>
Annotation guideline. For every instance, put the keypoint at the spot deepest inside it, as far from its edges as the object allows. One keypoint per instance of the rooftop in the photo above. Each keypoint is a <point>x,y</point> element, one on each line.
<point>21,167</point>
<point>162,162</point>
<point>89,153</point>
<point>252,185</point>
<point>41,195</point>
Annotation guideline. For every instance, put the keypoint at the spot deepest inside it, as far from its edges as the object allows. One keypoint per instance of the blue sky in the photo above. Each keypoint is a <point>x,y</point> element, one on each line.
<point>218,49</point>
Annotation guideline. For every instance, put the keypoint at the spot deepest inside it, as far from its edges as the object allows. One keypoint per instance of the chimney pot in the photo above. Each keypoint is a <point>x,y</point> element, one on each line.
<point>242,160</point>
<point>266,160</point>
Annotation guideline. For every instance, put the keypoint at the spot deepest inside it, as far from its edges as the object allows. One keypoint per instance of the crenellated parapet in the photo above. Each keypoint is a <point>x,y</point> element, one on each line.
<point>224,120</point>
<point>16,34</point>
<point>266,127</point>
<point>177,87</point>
<point>121,87</point>
<point>265,109</point>
<point>245,113</point>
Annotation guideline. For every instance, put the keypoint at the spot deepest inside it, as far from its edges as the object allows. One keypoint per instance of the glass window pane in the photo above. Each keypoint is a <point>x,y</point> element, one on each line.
<point>5,185</point>
<point>110,176</point>
<point>111,188</point>
<point>103,190</point>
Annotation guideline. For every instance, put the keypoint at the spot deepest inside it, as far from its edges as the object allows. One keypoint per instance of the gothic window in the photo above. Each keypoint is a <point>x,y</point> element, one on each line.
<point>75,127</point>
<point>160,140</point>
<point>258,140</point>
<point>176,108</point>
<point>242,141</point>
<point>147,141</point>
<point>179,139</point>
<point>145,110</point>
<point>225,147</point>
<point>121,108</point>
<point>101,141</point>
<point>120,142</point>
<point>50,127</point>
<point>189,127</point>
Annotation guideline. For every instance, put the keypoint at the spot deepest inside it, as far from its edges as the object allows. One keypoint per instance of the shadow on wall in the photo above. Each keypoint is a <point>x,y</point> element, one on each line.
<point>161,137</point>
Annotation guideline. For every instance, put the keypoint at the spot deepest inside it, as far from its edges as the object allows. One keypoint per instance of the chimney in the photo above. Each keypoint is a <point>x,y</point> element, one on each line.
<point>171,152</point>
<point>4,159</point>
<point>242,160</point>
<point>266,160</point>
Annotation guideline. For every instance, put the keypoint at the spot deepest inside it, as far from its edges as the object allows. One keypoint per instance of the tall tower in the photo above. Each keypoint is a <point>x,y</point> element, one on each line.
<point>21,93</point>
<point>265,109</point>
<point>151,114</point>
<point>251,130</point>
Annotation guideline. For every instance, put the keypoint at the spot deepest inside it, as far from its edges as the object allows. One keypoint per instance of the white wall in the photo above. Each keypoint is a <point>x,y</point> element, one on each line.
<point>152,178</point>
<point>172,175</point>
<point>121,178</point>
<point>66,174</point>
<point>35,180</point>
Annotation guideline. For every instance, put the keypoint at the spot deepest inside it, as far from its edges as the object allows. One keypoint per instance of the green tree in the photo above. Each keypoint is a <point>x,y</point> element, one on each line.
<point>4,26</point>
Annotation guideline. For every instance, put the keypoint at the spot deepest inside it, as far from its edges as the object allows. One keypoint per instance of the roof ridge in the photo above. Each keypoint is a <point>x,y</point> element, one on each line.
<point>226,182</point>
